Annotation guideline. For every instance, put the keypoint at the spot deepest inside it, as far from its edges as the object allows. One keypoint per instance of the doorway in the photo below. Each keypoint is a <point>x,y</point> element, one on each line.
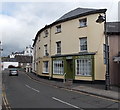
<point>69,67</point>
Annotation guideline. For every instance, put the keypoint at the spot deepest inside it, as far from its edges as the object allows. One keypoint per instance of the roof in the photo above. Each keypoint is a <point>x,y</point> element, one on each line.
<point>6,59</point>
<point>18,58</point>
<point>23,59</point>
<point>76,13</point>
<point>113,28</point>
<point>80,12</point>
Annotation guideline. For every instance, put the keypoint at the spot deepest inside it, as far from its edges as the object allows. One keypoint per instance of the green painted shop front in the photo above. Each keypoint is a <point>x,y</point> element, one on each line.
<point>69,65</point>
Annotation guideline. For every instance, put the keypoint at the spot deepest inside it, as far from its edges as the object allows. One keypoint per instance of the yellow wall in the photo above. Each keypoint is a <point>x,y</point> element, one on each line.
<point>58,76</point>
<point>70,44</point>
<point>83,78</point>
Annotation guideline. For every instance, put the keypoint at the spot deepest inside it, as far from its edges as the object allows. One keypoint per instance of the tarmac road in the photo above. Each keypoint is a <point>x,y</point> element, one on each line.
<point>22,92</point>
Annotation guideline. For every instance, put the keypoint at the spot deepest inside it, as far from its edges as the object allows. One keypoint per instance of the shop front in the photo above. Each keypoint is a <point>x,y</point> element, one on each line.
<point>76,67</point>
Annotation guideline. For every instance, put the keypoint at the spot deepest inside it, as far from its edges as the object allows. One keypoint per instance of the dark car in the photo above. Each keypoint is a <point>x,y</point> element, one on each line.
<point>13,72</point>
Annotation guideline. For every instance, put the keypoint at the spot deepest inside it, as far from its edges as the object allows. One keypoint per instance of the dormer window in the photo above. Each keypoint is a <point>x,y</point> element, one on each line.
<point>58,28</point>
<point>46,33</point>
<point>83,22</point>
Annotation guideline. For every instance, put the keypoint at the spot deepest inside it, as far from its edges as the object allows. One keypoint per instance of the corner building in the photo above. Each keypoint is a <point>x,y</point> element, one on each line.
<point>72,45</point>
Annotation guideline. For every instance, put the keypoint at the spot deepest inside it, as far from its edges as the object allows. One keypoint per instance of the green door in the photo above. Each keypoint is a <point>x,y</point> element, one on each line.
<point>69,71</point>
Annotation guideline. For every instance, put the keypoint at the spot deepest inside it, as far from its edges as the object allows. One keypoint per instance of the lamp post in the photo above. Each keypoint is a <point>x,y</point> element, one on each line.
<point>102,18</point>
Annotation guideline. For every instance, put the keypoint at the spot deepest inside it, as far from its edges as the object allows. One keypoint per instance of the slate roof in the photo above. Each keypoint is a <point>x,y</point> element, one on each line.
<point>6,59</point>
<point>18,58</point>
<point>113,27</point>
<point>78,12</point>
<point>23,59</point>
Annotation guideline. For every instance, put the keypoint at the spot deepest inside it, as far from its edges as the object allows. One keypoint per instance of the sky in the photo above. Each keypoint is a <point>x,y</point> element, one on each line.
<point>20,20</point>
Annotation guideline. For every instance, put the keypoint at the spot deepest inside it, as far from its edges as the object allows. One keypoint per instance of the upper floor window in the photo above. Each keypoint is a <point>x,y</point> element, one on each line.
<point>83,44</point>
<point>58,47</point>
<point>58,28</point>
<point>46,33</point>
<point>83,22</point>
<point>39,38</point>
<point>45,50</point>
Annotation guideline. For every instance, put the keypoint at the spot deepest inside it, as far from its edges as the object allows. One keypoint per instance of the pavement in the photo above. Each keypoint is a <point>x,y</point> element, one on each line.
<point>90,88</point>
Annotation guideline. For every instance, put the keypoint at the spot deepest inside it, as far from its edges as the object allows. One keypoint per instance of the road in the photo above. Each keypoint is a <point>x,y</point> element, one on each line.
<point>22,92</point>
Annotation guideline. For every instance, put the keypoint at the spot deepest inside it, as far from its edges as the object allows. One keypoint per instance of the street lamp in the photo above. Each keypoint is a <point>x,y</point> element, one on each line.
<point>102,18</point>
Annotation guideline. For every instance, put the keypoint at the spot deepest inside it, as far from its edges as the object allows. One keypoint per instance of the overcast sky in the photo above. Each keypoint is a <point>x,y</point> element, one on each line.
<point>20,21</point>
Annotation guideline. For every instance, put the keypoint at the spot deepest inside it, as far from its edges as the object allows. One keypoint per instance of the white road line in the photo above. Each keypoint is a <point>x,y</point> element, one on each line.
<point>32,88</point>
<point>66,103</point>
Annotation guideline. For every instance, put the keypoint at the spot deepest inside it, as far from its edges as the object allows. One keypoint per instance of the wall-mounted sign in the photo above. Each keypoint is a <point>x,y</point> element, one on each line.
<point>68,58</point>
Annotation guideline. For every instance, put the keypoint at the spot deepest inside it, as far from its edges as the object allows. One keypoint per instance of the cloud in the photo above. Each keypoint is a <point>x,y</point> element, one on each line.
<point>19,22</point>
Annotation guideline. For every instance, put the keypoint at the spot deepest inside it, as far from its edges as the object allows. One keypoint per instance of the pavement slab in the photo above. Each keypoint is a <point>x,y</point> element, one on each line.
<point>99,92</point>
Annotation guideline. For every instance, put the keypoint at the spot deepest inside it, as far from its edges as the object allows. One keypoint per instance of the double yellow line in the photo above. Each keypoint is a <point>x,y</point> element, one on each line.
<point>5,103</point>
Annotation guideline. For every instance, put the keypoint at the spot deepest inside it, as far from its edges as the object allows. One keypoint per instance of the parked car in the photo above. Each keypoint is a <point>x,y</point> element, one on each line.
<point>13,72</point>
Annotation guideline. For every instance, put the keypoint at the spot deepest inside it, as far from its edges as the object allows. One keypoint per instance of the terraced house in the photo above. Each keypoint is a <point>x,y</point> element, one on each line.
<point>71,47</point>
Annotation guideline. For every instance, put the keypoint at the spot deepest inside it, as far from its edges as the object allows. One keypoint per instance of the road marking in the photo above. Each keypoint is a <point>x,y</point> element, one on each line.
<point>32,88</point>
<point>4,99</point>
<point>66,103</point>
<point>80,92</point>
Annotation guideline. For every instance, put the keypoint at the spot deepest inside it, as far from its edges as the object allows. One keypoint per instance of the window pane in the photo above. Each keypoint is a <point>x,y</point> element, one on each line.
<point>58,47</point>
<point>58,67</point>
<point>83,22</point>
<point>83,67</point>
<point>45,67</point>
<point>58,28</point>
<point>46,33</point>
<point>83,44</point>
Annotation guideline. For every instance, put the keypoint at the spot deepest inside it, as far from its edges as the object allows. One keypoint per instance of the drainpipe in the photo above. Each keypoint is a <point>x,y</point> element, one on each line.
<point>50,65</point>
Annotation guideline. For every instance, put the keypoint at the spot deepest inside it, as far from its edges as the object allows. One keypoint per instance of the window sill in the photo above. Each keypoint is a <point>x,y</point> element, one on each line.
<point>83,51</point>
<point>57,74</point>
<point>45,72</point>
<point>57,32</point>
<point>58,54</point>
<point>84,75</point>
<point>45,36</point>
<point>46,56</point>
<point>82,26</point>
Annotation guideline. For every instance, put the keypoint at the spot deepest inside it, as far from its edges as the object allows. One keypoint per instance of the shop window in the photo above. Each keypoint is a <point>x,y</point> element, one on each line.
<point>58,67</point>
<point>84,67</point>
